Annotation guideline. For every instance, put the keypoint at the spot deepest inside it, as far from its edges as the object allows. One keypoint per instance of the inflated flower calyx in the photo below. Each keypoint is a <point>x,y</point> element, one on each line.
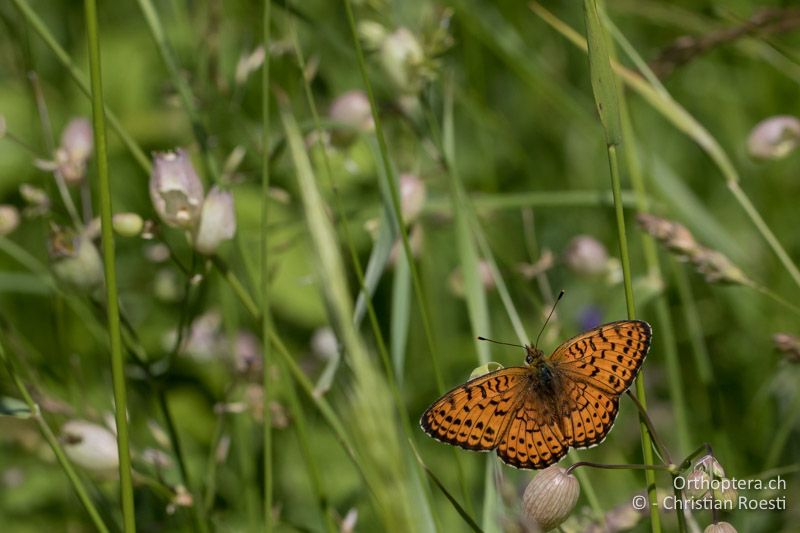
<point>90,446</point>
<point>217,222</point>
<point>774,137</point>
<point>550,497</point>
<point>75,259</point>
<point>720,527</point>
<point>176,190</point>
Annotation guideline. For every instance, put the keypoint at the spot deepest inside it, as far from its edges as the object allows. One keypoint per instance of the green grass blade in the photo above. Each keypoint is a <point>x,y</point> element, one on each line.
<point>110,271</point>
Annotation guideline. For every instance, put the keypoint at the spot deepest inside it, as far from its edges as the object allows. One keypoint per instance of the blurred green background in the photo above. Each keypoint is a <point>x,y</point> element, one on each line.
<point>530,154</point>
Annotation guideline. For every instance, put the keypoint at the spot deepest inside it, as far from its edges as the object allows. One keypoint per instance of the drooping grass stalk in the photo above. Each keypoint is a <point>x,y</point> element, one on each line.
<point>370,402</point>
<point>605,93</point>
<point>266,321</point>
<point>422,303</point>
<point>666,329</point>
<point>546,199</point>
<point>474,291</point>
<point>168,57</point>
<point>365,292</point>
<point>109,268</point>
<point>39,27</point>
<point>47,134</point>
<point>683,121</point>
<point>55,445</point>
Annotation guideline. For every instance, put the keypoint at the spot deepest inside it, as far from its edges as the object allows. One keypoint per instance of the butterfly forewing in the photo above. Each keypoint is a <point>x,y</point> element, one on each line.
<point>475,415</point>
<point>607,357</point>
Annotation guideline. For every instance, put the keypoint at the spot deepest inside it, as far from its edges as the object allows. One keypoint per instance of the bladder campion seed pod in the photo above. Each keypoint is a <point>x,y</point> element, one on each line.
<point>774,137</point>
<point>176,190</point>
<point>720,527</point>
<point>90,445</point>
<point>217,221</point>
<point>550,497</point>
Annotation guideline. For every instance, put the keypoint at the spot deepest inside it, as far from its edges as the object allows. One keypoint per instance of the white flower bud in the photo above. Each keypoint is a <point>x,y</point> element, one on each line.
<point>774,137</point>
<point>456,279</point>
<point>372,34</point>
<point>76,260</point>
<point>77,139</point>
<point>36,198</point>
<point>586,255</point>
<point>9,219</point>
<point>90,446</point>
<point>324,343</point>
<point>550,497</point>
<point>402,58</point>
<point>217,221</point>
<point>412,196</point>
<point>720,527</point>
<point>352,110</point>
<point>127,224</point>
<point>176,190</point>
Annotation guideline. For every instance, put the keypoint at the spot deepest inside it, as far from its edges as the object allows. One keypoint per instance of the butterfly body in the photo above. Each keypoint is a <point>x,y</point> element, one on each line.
<point>531,415</point>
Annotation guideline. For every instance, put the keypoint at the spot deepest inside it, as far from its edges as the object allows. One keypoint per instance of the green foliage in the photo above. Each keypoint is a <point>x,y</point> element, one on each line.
<point>490,105</point>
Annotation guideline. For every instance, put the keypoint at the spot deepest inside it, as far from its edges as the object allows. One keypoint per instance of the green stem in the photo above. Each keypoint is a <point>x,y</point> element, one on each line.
<point>168,57</point>
<point>393,189</point>
<point>575,466</point>
<point>607,101</point>
<point>52,441</point>
<point>266,323</point>
<point>112,298</point>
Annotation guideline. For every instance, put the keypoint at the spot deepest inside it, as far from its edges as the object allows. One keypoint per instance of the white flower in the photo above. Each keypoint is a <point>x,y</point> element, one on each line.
<point>176,190</point>
<point>217,221</point>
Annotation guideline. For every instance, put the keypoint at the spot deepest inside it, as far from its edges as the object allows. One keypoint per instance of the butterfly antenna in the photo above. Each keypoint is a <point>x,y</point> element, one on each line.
<point>560,295</point>
<point>498,342</point>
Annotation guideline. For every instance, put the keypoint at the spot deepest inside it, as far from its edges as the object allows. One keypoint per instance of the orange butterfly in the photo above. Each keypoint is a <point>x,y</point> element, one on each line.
<point>533,414</point>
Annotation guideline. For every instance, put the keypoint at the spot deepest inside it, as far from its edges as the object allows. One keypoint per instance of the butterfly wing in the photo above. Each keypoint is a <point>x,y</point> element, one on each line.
<point>607,357</point>
<point>534,438</point>
<point>475,415</point>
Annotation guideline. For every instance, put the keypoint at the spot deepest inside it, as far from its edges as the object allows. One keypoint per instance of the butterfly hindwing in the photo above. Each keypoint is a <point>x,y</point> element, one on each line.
<point>475,415</point>
<point>534,438</point>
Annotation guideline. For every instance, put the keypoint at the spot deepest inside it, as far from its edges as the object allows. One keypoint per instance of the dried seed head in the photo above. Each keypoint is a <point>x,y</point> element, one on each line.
<point>586,255</point>
<point>675,236</point>
<point>550,497</point>
<point>217,221</point>
<point>249,63</point>
<point>9,219</point>
<point>720,527</point>
<point>774,137</point>
<point>90,446</point>
<point>715,266</point>
<point>176,190</point>
<point>789,345</point>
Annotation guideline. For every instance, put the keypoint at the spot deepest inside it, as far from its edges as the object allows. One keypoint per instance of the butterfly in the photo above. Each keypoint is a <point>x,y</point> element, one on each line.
<point>533,414</point>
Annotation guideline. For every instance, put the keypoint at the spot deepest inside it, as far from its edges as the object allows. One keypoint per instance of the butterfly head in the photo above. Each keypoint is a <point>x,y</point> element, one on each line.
<point>533,355</point>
